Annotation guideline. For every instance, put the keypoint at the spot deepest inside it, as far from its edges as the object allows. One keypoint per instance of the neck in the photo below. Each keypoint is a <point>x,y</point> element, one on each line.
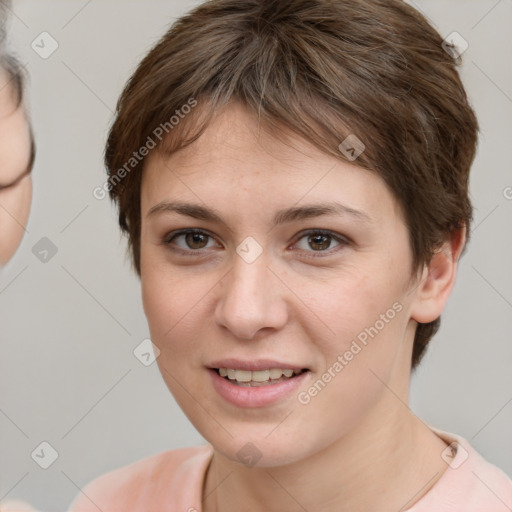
<point>387,462</point>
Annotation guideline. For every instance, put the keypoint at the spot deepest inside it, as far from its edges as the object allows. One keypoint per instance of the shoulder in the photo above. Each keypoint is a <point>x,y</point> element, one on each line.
<point>490,488</point>
<point>143,485</point>
<point>469,483</point>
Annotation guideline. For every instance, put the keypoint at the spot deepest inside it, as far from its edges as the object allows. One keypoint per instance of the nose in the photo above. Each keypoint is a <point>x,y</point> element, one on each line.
<point>251,300</point>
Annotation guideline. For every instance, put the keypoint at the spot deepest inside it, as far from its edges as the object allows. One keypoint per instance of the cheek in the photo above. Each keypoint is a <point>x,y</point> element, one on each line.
<point>175,304</point>
<point>176,310</point>
<point>366,318</point>
<point>353,303</point>
<point>14,212</point>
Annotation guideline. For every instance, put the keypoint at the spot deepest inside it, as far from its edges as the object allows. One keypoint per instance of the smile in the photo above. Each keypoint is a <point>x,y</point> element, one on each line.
<point>257,388</point>
<point>258,377</point>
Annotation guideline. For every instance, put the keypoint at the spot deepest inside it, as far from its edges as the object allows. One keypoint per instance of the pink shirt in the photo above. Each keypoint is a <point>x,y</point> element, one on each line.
<point>172,481</point>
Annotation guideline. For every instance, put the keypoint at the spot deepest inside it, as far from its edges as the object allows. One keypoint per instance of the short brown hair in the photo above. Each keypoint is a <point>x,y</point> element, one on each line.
<point>324,70</point>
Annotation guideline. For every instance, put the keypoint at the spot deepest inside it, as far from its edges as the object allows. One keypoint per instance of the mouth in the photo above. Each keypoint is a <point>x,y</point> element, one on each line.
<point>258,378</point>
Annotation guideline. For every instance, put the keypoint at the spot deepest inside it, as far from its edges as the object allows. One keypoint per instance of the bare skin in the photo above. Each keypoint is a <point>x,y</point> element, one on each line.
<point>15,167</point>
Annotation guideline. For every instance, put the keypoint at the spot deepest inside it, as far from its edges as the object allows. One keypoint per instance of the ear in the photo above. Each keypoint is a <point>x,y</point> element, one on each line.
<point>438,279</point>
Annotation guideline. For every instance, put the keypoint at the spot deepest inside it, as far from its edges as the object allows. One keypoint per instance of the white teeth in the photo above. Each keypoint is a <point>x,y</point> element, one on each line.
<point>260,375</point>
<point>275,373</point>
<point>257,375</point>
<point>243,375</point>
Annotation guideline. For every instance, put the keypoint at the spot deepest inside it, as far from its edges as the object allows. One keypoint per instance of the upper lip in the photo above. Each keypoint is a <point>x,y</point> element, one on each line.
<point>254,365</point>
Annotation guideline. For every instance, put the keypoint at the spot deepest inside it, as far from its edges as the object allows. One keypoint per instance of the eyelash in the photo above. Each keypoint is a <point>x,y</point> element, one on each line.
<point>342,241</point>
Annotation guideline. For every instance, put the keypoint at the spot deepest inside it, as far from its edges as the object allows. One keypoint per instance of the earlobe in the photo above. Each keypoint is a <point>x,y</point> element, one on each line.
<point>438,279</point>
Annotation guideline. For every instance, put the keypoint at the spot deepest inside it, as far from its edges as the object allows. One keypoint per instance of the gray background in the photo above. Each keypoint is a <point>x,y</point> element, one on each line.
<point>68,326</point>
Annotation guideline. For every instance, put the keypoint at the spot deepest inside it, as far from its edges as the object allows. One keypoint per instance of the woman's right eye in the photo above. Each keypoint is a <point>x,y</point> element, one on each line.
<point>189,241</point>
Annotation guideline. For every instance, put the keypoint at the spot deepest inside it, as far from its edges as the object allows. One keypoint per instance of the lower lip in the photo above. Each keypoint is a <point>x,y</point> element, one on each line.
<point>256,396</point>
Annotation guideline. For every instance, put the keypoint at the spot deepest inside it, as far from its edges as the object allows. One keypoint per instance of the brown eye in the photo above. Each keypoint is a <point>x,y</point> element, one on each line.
<point>196,240</point>
<point>320,241</point>
<point>190,240</point>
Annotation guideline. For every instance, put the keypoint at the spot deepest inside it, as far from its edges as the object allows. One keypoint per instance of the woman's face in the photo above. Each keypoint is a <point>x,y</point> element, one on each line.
<point>15,160</point>
<point>273,277</point>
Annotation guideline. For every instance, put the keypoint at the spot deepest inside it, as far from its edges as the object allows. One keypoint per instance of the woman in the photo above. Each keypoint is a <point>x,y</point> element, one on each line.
<point>293,180</point>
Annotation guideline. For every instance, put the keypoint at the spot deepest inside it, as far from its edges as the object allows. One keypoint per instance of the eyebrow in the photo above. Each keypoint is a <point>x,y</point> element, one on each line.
<point>29,168</point>
<point>281,217</point>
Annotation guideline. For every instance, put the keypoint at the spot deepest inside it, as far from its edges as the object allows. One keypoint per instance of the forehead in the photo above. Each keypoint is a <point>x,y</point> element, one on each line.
<point>236,161</point>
